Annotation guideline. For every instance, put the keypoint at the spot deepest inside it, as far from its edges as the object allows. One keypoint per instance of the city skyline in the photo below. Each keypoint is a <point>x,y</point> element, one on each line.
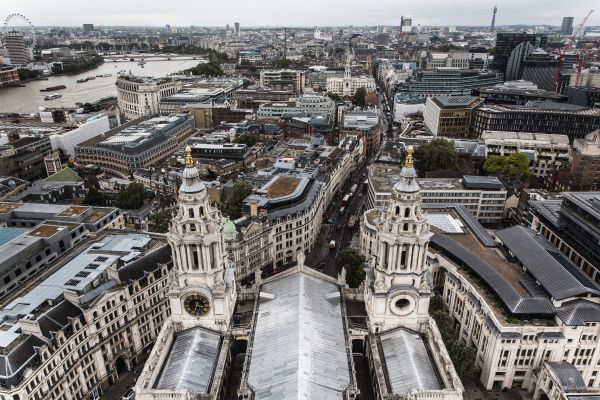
<point>332,13</point>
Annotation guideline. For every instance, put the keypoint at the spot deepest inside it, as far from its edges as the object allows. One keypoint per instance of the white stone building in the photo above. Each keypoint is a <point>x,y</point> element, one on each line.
<point>75,333</point>
<point>139,96</point>
<point>346,86</point>
<point>546,152</point>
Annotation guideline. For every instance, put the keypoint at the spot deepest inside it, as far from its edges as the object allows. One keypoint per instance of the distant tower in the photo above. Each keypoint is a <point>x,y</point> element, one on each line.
<point>493,27</point>
<point>284,43</point>
<point>236,27</point>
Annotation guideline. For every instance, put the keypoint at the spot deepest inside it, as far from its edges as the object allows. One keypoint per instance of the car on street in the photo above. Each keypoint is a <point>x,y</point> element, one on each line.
<point>129,395</point>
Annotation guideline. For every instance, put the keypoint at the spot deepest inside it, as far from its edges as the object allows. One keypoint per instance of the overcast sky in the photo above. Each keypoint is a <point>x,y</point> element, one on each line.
<point>299,12</point>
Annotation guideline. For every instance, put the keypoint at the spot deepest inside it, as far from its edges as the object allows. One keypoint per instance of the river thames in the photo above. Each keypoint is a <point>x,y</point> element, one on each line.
<point>28,99</point>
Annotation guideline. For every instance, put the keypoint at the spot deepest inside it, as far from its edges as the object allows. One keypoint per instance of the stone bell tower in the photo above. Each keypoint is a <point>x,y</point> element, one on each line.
<point>400,289</point>
<point>203,290</point>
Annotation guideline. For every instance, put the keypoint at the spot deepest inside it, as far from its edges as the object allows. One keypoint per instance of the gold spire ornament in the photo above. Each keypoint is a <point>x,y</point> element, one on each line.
<point>409,157</point>
<point>189,162</point>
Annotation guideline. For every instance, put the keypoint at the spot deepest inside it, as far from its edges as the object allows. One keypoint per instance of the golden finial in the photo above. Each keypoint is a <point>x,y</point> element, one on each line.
<point>409,157</point>
<point>189,162</point>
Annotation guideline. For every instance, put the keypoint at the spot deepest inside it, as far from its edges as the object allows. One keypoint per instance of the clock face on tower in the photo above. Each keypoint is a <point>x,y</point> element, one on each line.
<point>196,305</point>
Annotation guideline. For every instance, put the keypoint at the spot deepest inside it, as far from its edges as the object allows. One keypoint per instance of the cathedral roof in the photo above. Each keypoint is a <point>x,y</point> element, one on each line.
<point>304,317</point>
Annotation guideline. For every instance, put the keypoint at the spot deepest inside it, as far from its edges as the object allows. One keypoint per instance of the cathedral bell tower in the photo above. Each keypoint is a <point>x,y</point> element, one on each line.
<point>399,290</point>
<point>203,290</point>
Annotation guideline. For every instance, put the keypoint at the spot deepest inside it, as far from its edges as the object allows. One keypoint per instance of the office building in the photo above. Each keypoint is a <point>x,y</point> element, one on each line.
<point>24,157</point>
<point>585,96</point>
<point>365,125</point>
<point>483,196</point>
<point>450,116</point>
<point>87,28</point>
<point>516,332</point>
<point>452,59</point>
<point>540,68</point>
<point>8,76</point>
<point>405,24</point>
<point>449,82</point>
<point>546,152</point>
<point>252,98</point>
<point>572,226</point>
<point>140,143</point>
<point>141,96</point>
<point>583,171</point>
<point>567,26</point>
<point>518,93</point>
<point>16,49</point>
<point>589,77</point>
<point>516,61</point>
<point>506,43</point>
<point>236,29</point>
<point>538,117</point>
<point>283,80</point>
<point>72,335</point>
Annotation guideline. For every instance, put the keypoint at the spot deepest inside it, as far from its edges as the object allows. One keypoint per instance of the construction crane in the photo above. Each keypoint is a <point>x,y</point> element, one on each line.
<point>579,27</point>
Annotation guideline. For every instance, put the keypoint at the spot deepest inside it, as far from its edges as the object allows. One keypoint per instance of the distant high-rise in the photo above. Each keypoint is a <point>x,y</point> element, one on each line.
<point>493,26</point>
<point>236,27</point>
<point>567,26</point>
<point>506,43</point>
<point>168,28</point>
<point>516,61</point>
<point>87,28</point>
<point>406,24</point>
<point>17,50</point>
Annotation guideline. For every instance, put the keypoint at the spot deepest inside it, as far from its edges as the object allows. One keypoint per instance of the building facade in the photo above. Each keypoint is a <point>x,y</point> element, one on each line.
<point>16,48</point>
<point>140,96</point>
<point>283,80</point>
<point>538,117</point>
<point>140,143</point>
<point>450,116</point>
<point>546,153</point>
<point>71,337</point>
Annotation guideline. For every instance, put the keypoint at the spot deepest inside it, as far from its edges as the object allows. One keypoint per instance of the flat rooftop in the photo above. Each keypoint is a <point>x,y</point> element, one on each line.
<point>46,230</point>
<point>282,186</point>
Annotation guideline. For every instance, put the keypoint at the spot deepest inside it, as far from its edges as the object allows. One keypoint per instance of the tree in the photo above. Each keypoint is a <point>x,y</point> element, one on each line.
<point>334,96</point>
<point>160,220</point>
<point>283,63</point>
<point>132,197</point>
<point>515,165</point>
<point>233,205</point>
<point>354,263</point>
<point>462,356</point>
<point>372,100</point>
<point>94,198</point>
<point>359,97</point>
<point>246,138</point>
<point>439,154</point>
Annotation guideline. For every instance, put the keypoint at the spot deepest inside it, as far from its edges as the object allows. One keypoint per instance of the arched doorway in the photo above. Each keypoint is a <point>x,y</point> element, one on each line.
<point>121,365</point>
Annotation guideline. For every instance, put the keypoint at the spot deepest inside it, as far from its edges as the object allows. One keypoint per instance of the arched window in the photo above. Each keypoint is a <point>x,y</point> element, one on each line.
<point>191,212</point>
<point>201,211</point>
<point>405,229</point>
<point>407,212</point>
<point>397,210</point>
